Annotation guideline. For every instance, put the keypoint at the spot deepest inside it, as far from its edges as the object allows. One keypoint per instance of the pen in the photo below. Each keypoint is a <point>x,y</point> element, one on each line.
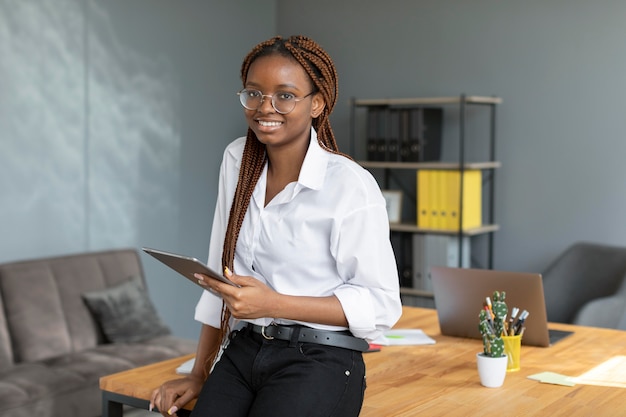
<point>374,347</point>
<point>514,312</point>
<point>489,320</point>
<point>490,306</point>
<point>520,321</point>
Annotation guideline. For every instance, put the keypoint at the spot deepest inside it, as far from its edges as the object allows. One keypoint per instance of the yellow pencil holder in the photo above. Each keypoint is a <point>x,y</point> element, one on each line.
<point>512,349</point>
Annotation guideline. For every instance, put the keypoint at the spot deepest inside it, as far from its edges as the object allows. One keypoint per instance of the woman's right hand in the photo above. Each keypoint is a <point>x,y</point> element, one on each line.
<point>174,394</point>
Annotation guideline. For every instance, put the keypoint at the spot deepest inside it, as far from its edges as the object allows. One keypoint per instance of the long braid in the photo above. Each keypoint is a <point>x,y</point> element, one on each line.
<point>321,69</point>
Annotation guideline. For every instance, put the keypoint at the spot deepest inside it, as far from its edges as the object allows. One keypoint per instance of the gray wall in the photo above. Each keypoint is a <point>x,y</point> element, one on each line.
<point>114,116</point>
<point>560,67</point>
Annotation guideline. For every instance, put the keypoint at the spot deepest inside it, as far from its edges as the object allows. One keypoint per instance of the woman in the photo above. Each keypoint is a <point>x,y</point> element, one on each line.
<point>304,231</point>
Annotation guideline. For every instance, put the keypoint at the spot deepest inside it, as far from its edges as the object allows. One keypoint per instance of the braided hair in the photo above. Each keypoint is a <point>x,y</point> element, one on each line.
<point>321,70</point>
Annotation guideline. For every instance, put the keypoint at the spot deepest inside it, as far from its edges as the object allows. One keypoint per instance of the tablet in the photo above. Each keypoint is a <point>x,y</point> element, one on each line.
<point>187,266</point>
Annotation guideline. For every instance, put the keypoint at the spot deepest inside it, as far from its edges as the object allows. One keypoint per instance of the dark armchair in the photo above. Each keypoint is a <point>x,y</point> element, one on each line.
<point>583,281</point>
<point>605,312</point>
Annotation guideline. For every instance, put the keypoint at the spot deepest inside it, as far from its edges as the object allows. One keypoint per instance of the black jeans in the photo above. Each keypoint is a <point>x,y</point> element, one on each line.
<point>257,377</point>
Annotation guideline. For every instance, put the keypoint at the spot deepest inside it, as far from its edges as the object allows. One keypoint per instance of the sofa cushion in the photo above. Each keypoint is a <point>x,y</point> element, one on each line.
<point>68,385</point>
<point>6,353</point>
<point>125,312</point>
<point>45,313</point>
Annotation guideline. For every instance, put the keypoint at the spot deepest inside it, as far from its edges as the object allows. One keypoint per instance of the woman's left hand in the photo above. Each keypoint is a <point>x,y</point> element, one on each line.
<point>252,299</point>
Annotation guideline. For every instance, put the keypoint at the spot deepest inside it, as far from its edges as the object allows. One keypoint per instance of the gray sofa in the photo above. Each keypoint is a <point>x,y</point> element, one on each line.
<point>65,322</point>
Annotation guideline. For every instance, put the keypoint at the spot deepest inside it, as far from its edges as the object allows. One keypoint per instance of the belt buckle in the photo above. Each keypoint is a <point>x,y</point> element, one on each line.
<point>263,331</point>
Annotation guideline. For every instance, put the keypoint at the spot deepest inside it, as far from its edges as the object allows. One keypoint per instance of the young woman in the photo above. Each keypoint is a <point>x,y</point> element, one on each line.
<point>303,232</point>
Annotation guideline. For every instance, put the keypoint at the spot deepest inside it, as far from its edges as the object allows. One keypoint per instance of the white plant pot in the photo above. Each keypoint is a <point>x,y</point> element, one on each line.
<point>491,370</point>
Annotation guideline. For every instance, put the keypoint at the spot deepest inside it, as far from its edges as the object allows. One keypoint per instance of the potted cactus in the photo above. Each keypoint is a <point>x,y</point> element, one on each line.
<point>491,325</point>
<point>492,361</point>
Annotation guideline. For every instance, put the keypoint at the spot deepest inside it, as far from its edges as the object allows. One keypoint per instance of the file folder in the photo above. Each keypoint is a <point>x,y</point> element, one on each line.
<point>439,200</point>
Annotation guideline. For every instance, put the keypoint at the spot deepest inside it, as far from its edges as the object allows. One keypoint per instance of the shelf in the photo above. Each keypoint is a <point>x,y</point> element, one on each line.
<point>429,165</point>
<point>427,101</point>
<point>391,108</point>
<point>415,292</point>
<point>411,228</point>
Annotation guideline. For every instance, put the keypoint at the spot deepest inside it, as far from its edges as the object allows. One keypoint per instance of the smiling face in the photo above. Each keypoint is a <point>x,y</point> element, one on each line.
<point>275,74</point>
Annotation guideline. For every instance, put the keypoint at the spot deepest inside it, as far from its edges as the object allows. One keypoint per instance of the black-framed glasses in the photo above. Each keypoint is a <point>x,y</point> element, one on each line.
<point>282,102</point>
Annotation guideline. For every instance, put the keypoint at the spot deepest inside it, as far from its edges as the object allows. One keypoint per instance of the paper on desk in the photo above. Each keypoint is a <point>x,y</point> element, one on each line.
<point>186,367</point>
<point>553,378</point>
<point>611,373</point>
<point>397,337</point>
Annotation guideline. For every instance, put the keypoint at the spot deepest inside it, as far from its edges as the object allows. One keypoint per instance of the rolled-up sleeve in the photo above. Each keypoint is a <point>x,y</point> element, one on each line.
<point>370,296</point>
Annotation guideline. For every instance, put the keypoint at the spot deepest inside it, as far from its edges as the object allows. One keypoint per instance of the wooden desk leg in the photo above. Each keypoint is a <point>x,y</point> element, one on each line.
<point>113,404</point>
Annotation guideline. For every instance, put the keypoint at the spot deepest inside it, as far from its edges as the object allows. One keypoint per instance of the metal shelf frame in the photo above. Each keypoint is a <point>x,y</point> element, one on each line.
<point>462,102</point>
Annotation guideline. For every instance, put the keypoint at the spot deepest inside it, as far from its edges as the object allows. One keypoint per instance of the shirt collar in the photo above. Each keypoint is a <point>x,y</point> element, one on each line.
<point>312,174</point>
<point>314,166</point>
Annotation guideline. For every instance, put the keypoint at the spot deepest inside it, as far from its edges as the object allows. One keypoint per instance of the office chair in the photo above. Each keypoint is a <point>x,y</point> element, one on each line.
<point>584,272</point>
<point>609,312</point>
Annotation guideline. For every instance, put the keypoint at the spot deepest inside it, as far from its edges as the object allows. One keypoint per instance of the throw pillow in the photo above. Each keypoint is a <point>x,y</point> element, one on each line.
<point>125,312</point>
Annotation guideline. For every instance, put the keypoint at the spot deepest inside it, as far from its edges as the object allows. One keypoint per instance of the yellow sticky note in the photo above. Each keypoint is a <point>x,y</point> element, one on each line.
<point>553,378</point>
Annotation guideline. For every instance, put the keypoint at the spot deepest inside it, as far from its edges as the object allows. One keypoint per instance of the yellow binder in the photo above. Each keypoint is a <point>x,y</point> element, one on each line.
<point>424,198</point>
<point>439,199</point>
<point>447,201</point>
<point>471,199</point>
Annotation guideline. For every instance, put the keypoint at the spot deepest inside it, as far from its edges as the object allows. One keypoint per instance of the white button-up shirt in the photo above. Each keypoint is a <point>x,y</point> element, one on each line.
<point>327,233</point>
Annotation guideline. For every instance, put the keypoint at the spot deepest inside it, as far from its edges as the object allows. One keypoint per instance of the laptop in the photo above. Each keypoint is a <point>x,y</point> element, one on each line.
<point>460,294</point>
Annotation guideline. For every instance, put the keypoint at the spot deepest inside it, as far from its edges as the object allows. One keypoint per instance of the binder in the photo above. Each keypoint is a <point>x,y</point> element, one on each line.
<point>376,134</point>
<point>407,266</point>
<point>471,200</point>
<point>372,134</point>
<point>439,200</point>
<point>415,127</point>
<point>446,201</point>
<point>381,149</point>
<point>393,150</point>
<point>382,133</point>
<point>393,143</point>
<point>436,250</point>
<point>424,200</point>
<point>430,131</point>
<point>410,143</point>
<point>402,249</point>
<point>405,150</point>
<point>372,149</point>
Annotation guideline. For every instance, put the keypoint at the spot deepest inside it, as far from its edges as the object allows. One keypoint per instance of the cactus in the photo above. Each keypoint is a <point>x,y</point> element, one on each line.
<point>493,327</point>
<point>500,311</point>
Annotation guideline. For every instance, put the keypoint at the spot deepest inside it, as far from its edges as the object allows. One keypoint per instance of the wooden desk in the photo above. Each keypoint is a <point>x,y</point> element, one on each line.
<point>134,386</point>
<point>441,379</point>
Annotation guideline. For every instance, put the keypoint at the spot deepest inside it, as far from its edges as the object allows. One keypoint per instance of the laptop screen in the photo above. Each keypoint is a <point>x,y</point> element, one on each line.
<point>460,294</point>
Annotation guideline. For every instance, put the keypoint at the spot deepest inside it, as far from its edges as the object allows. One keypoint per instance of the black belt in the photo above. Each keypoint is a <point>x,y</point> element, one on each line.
<point>309,335</point>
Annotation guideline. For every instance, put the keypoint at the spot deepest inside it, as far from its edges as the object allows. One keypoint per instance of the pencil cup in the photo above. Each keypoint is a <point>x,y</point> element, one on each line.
<point>512,349</point>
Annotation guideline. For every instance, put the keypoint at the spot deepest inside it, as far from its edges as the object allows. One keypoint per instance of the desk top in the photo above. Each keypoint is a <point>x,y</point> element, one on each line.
<point>442,379</point>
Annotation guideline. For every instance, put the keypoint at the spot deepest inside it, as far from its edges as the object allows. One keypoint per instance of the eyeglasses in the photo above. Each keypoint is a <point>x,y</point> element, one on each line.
<point>282,102</point>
